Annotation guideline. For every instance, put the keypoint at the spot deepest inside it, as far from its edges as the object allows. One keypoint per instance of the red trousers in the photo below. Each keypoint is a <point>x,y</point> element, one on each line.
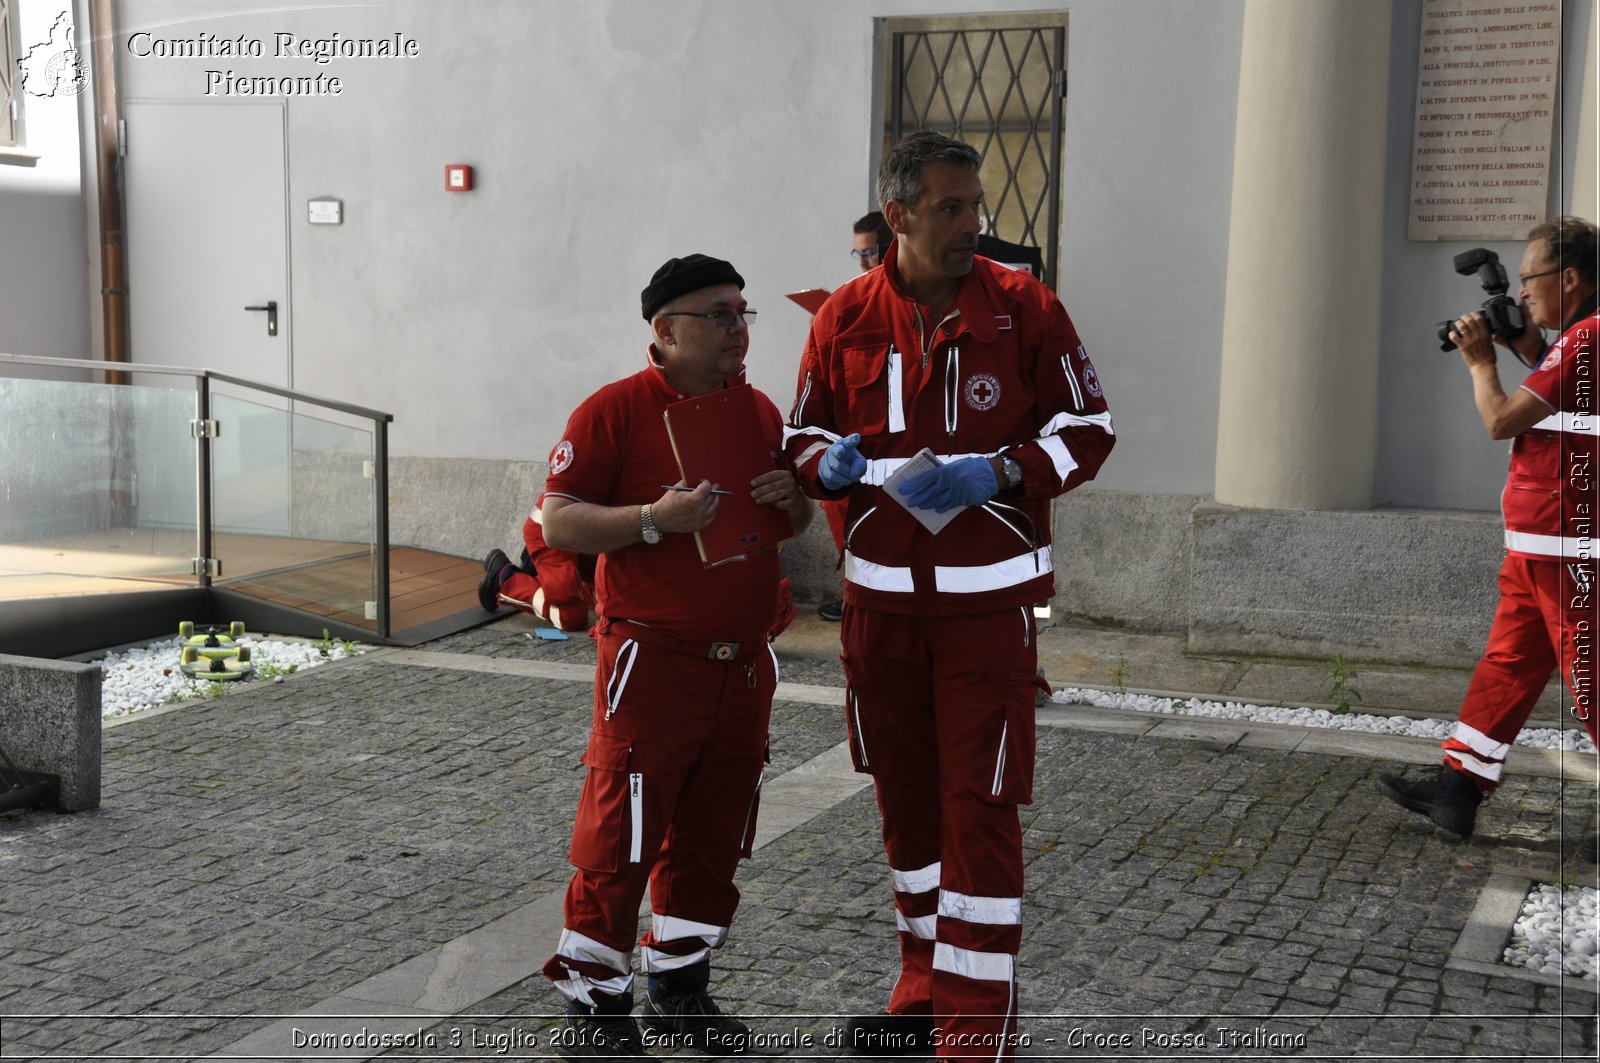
<point>940,711</point>
<point>674,756</point>
<point>1546,620</point>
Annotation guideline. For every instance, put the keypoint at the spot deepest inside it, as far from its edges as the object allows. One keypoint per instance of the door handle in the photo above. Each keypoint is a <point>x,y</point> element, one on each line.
<point>271,308</point>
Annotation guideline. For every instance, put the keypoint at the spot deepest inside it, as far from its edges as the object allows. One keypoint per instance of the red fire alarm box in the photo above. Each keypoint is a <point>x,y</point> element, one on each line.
<point>458,178</point>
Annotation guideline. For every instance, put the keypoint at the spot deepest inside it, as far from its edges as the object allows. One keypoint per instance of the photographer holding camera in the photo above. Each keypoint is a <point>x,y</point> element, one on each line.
<point>1547,612</point>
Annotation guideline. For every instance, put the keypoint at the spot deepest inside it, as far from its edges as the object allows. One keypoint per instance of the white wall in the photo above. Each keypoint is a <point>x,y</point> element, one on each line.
<point>43,272</point>
<point>1433,450</point>
<point>610,134</point>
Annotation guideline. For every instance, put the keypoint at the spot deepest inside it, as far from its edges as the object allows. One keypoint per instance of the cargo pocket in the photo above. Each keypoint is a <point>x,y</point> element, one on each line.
<point>748,845</point>
<point>858,739</point>
<point>867,382</point>
<point>1012,750</point>
<point>608,830</point>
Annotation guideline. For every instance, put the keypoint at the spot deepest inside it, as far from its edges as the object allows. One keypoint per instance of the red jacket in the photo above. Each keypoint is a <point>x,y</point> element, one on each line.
<point>1004,371</point>
<point>1550,496</point>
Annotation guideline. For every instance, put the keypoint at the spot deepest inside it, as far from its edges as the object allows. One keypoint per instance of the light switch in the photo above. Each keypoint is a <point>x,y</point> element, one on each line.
<point>325,210</point>
<point>458,177</point>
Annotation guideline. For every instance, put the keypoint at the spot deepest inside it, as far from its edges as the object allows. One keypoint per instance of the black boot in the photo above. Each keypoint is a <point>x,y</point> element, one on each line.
<point>604,1031</point>
<point>489,586</point>
<point>678,1006</point>
<point>1451,800</point>
<point>889,1035</point>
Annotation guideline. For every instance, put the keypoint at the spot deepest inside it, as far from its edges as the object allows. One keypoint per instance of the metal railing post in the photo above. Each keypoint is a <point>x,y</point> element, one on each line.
<point>380,456</point>
<point>202,465</point>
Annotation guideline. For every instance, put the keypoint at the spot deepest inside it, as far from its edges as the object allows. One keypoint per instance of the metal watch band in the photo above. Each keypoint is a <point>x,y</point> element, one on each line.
<point>647,526</point>
<point>1013,470</point>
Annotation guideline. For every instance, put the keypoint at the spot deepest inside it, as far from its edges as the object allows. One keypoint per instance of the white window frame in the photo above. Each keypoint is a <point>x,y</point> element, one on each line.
<point>13,130</point>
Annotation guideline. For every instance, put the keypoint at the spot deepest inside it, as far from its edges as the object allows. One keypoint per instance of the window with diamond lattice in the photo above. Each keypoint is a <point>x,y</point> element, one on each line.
<point>998,83</point>
<point>10,77</point>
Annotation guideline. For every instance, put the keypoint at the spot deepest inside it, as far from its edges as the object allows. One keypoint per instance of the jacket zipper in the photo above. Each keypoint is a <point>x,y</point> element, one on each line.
<point>620,670</point>
<point>851,531</point>
<point>952,381</point>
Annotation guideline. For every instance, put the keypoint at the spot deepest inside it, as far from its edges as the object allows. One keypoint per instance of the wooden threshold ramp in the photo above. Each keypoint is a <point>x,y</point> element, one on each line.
<point>430,594</point>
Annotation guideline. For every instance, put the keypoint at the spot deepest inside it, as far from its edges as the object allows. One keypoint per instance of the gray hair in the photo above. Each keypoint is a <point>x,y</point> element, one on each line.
<point>1569,241</point>
<point>900,174</point>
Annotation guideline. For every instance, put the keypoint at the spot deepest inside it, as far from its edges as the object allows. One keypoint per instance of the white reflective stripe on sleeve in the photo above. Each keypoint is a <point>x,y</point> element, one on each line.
<point>920,926</point>
<point>672,928</point>
<point>922,880</point>
<point>655,962</point>
<point>821,433</point>
<point>1469,763</point>
<point>1583,424</point>
<point>1064,420</point>
<point>993,911</point>
<point>975,579</point>
<point>1072,380</point>
<point>636,812</point>
<point>1059,456</point>
<point>773,654</point>
<point>805,455</point>
<point>576,946</point>
<point>1549,545</point>
<point>982,966</point>
<point>1479,742</point>
<point>897,407</point>
<point>877,577</point>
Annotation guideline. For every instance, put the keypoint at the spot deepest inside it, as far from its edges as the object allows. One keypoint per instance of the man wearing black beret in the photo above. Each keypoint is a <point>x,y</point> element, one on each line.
<point>683,683</point>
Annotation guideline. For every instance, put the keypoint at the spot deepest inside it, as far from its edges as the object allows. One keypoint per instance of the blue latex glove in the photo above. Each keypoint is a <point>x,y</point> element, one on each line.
<point>963,482</point>
<point>841,464</point>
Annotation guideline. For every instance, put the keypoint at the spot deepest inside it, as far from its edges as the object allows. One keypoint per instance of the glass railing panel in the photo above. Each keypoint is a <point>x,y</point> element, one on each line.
<point>97,487</point>
<point>294,504</point>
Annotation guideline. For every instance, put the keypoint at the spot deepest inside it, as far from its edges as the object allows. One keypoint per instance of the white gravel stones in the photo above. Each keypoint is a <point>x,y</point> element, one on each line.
<point>1571,739</point>
<point>147,677</point>
<point>1556,932</point>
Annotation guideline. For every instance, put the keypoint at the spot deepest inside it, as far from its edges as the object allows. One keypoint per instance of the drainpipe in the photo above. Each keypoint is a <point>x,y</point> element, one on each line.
<point>113,265</point>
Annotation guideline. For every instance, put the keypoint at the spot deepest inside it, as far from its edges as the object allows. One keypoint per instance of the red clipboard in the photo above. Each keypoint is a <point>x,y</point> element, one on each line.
<point>719,437</point>
<point>811,298</point>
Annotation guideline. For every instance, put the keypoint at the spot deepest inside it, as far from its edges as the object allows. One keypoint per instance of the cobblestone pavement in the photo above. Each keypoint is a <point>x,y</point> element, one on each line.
<point>258,854</point>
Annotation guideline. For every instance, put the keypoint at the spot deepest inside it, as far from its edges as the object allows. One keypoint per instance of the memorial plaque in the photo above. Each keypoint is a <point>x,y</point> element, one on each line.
<point>1485,117</point>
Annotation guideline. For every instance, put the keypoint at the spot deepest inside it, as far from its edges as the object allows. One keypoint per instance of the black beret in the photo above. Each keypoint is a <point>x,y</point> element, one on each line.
<point>679,276</point>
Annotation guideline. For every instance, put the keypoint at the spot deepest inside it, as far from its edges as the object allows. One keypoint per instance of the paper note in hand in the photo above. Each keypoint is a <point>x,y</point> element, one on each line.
<point>920,462</point>
<point>719,437</point>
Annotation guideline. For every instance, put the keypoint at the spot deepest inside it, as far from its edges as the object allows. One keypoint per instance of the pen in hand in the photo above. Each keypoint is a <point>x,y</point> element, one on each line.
<point>681,487</point>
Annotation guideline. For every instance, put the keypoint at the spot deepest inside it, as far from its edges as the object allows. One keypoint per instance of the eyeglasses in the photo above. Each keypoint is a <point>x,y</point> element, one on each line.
<point>871,252</point>
<point>1526,277</point>
<point>723,319</point>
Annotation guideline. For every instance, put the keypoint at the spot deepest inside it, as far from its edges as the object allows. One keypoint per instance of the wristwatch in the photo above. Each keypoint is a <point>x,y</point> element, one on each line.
<point>647,526</point>
<point>1013,470</point>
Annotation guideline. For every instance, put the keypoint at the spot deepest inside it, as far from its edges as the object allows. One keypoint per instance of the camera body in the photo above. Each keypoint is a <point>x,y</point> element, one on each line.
<point>1503,313</point>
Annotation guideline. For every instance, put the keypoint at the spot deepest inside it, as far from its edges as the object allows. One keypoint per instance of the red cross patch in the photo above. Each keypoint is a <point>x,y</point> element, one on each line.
<point>561,456</point>
<point>982,391</point>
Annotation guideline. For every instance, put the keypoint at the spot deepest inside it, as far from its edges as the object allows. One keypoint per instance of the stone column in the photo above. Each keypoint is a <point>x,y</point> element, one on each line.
<point>1297,420</point>
<point>1585,199</point>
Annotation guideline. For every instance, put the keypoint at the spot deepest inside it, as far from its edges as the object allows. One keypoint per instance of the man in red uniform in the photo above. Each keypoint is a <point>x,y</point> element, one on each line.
<point>683,685</point>
<point>870,237</point>
<point>1547,613</point>
<point>981,365</point>
<point>556,586</point>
